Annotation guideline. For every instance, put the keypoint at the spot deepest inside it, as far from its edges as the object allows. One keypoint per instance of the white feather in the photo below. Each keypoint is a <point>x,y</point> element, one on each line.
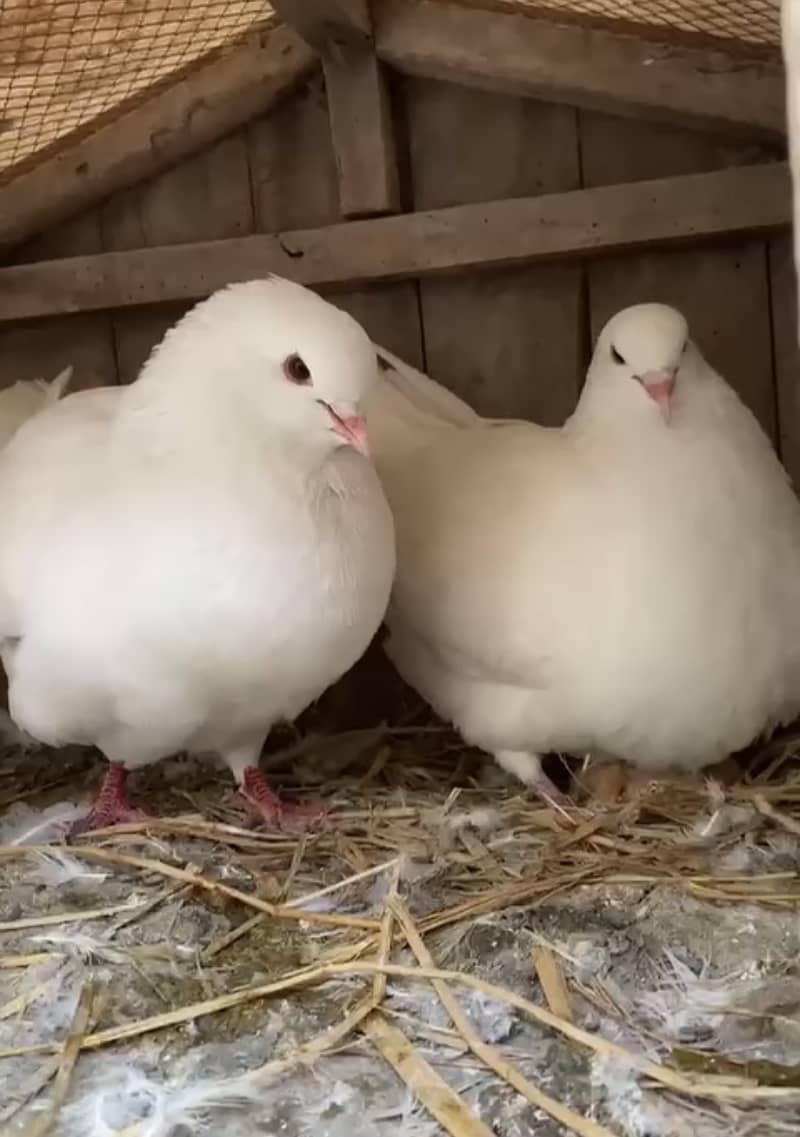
<point>635,1112</point>
<point>622,1095</point>
<point>727,818</point>
<point>321,904</point>
<point>332,1114</point>
<point>622,585</point>
<point>86,949</point>
<point>410,1119</point>
<point>48,994</point>
<point>57,868</point>
<point>739,858</point>
<point>158,1109</point>
<point>58,386</point>
<point>484,819</point>
<point>24,825</point>
<point>26,398</point>
<point>703,1009</point>
<point>493,1021</point>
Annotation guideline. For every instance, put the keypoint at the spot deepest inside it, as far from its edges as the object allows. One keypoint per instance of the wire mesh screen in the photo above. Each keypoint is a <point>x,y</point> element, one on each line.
<point>751,23</point>
<point>65,62</point>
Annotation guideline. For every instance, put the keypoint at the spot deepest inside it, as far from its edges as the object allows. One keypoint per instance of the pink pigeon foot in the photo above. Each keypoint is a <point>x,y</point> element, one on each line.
<point>266,807</point>
<point>111,806</point>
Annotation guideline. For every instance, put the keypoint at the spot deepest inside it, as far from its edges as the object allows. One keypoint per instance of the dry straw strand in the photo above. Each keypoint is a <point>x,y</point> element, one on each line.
<point>487,1054</point>
<point>42,1124</point>
<point>278,912</point>
<point>766,809</point>
<point>428,1087</point>
<point>67,917</point>
<point>551,977</point>
<point>712,1088</point>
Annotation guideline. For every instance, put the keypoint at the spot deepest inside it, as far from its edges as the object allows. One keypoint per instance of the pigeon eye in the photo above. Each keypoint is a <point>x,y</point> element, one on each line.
<point>296,371</point>
<point>615,355</point>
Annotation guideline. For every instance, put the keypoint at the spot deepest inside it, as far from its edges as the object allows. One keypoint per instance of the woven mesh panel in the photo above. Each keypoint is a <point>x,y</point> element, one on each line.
<point>751,23</point>
<point>63,63</point>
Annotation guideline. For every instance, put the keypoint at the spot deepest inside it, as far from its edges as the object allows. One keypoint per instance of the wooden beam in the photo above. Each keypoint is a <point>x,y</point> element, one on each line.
<point>735,202</point>
<point>586,67</point>
<point>363,136</point>
<point>176,122</point>
<point>358,101</point>
<point>331,27</point>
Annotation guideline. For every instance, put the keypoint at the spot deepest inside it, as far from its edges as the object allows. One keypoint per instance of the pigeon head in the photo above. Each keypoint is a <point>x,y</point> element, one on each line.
<point>639,355</point>
<point>277,353</point>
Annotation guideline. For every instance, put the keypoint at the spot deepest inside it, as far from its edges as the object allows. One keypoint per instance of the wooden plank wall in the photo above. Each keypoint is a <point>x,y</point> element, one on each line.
<point>508,342</point>
<point>295,185</point>
<point>40,348</point>
<point>511,342</point>
<point>206,197</point>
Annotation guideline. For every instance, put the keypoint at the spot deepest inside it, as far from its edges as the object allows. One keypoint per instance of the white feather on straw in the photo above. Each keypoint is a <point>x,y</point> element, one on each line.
<point>129,1096</point>
<point>23,825</point>
<point>87,949</point>
<point>57,868</point>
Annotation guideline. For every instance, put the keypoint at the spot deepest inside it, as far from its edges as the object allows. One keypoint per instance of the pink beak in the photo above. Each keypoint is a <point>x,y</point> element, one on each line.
<point>351,428</point>
<point>659,386</point>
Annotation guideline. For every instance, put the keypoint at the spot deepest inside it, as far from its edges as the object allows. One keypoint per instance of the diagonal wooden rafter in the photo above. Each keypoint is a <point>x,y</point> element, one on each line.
<point>358,101</point>
<point>588,67</point>
<point>173,124</point>
<point>746,200</point>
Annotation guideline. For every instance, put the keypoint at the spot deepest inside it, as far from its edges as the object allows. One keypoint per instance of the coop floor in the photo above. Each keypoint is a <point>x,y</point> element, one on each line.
<point>666,928</point>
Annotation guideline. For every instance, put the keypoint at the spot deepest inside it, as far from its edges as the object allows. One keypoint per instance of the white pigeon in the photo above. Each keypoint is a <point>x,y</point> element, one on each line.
<point>627,585</point>
<point>188,560</point>
<point>18,403</point>
<point>26,398</point>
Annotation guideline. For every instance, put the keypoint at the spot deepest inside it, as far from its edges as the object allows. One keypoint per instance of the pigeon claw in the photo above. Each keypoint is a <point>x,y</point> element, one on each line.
<point>111,806</point>
<point>265,807</point>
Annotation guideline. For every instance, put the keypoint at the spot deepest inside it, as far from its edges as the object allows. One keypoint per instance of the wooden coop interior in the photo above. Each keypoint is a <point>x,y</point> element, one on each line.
<point>481,185</point>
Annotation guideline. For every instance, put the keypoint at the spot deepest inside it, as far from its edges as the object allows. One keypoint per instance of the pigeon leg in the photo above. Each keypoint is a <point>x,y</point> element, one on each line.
<point>111,806</point>
<point>268,807</point>
<point>528,768</point>
<point>264,805</point>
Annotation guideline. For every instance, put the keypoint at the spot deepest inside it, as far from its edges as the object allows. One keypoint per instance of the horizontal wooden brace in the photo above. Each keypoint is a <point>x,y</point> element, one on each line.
<point>610,219</point>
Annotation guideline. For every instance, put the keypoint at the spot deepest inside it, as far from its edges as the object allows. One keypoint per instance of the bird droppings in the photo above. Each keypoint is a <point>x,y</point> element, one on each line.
<point>667,949</point>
